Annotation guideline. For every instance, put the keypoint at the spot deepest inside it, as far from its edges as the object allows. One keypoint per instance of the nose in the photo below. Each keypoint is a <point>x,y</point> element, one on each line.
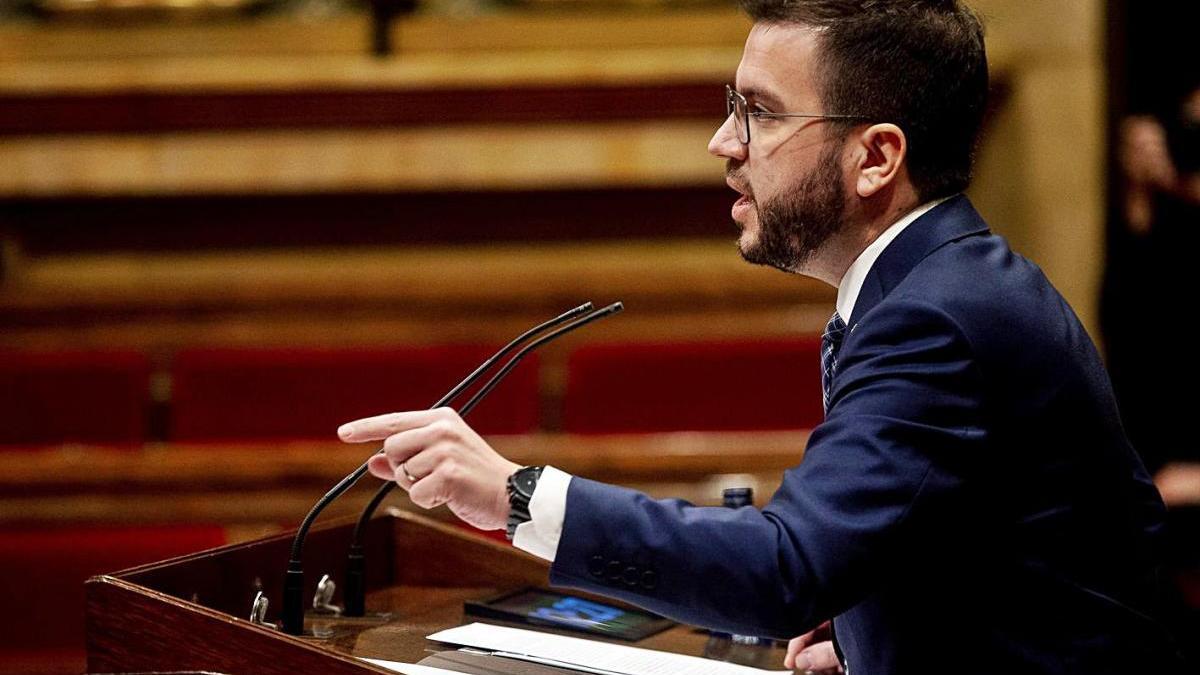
<point>725,142</point>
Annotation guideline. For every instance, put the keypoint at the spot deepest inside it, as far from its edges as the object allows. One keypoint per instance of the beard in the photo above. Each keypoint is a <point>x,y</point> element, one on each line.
<point>796,224</point>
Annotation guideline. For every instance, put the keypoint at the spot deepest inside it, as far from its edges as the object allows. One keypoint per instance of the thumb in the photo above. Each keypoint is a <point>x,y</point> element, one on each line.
<point>819,658</point>
<point>795,646</point>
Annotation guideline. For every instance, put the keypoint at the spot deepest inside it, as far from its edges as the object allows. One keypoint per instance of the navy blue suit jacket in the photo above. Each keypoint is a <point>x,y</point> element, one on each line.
<point>969,505</point>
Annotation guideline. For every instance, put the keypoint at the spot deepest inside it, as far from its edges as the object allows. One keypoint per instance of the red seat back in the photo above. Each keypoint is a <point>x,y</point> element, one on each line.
<point>42,573</point>
<point>73,396</point>
<point>703,386</point>
<point>238,394</point>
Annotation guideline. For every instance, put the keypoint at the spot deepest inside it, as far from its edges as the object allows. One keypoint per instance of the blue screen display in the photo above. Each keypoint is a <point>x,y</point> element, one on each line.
<point>572,612</point>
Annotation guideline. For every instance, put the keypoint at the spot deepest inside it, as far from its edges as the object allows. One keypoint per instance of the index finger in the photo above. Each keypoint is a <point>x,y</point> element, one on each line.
<point>381,426</point>
<point>800,642</point>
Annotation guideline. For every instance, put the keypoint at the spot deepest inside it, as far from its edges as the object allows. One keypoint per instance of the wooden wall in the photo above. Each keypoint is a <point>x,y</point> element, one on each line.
<point>198,148</point>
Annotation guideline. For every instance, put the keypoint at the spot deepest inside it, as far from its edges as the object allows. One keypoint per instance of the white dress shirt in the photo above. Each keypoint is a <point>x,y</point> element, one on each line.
<point>548,506</point>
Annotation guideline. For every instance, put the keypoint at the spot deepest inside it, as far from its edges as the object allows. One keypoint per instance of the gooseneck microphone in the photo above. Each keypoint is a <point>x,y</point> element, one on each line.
<point>293,586</point>
<point>356,587</point>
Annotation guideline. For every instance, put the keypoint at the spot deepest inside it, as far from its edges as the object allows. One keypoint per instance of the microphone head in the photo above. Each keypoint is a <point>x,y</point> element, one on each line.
<point>614,308</point>
<point>570,314</point>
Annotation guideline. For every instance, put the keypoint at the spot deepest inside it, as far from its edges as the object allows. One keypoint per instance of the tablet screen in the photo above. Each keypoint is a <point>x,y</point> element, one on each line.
<point>546,607</point>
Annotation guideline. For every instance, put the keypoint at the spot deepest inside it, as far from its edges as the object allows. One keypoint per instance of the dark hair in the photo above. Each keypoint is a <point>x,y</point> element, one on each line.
<point>919,64</point>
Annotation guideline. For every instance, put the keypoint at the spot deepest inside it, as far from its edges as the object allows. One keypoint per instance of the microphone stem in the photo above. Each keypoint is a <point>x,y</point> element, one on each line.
<point>486,389</point>
<point>357,589</point>
<point>293,600</point>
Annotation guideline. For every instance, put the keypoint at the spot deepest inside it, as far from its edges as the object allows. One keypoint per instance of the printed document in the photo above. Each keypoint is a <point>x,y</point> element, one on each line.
<point>587,655</point>
<point>409,668</point>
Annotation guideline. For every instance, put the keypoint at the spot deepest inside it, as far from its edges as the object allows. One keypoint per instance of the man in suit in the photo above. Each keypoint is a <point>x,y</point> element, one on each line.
<point>970,503</point>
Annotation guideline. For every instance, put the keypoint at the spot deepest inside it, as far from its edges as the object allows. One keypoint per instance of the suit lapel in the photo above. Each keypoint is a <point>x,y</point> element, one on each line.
<point>949,221</point>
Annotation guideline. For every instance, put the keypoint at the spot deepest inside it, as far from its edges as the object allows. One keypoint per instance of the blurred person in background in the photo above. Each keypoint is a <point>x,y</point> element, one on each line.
<point>1153,280</point>
<point>1150,290</point>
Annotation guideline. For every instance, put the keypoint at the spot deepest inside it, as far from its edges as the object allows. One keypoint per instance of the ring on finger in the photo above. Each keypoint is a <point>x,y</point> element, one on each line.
<point>404,470</point>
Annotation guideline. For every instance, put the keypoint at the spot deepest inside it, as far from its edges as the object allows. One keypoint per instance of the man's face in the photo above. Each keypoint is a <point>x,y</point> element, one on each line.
<point>790,175</point>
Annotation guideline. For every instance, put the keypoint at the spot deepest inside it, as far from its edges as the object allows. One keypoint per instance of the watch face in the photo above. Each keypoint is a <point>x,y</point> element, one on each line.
<point>526,480</point>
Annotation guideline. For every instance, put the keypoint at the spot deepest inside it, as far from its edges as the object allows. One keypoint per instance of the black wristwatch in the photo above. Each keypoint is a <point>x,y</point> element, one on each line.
<point>521,485</point>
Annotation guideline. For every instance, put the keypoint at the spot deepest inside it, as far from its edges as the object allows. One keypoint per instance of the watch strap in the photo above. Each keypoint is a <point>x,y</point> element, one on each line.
<point>521,485</point>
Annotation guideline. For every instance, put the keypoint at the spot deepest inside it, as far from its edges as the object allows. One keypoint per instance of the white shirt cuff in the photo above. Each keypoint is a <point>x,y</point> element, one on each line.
<point>547,508</point>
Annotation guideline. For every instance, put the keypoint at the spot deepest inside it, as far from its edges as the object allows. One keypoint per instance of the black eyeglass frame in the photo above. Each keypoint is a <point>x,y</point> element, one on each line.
<point>735,101</point>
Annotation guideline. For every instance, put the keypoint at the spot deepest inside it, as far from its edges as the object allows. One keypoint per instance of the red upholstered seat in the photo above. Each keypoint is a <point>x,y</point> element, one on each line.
<point>73,396</point>
<point>239,394</point>
<point>41,579</point>
<point>703,386</point>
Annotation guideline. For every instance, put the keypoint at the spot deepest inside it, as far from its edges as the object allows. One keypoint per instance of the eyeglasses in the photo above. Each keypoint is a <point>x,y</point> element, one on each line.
<point>739,107</point>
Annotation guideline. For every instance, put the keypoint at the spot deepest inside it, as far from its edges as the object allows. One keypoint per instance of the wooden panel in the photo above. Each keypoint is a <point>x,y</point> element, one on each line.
<point>416,325</point>
<point>140,619</point>
<point>132,615</point>
<point>477,156</point>
<point>421,295</point>
<point>276,483</point>
<point>246,221</point>
<point>206,590</point>
<point>158,112</point>
<point>347,35</point>
<point>282,72</point>
<point>134,631</point>
<point>658,273</point>
<point>220,466</point>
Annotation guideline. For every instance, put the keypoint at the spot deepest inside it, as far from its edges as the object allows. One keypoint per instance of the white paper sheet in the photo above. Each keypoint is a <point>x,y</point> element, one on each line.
<point>588,655</point>
<point>410,668</point>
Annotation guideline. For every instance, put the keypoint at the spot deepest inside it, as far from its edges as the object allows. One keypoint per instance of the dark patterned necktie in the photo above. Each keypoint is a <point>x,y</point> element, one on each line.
<point>831,342</point>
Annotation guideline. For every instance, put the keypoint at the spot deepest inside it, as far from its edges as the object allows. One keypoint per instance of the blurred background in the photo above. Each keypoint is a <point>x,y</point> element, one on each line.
<point>227,226</point>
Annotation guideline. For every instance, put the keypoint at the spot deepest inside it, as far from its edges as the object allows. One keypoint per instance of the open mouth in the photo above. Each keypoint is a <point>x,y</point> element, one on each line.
<point>744,202</point>
<point>745,192</point>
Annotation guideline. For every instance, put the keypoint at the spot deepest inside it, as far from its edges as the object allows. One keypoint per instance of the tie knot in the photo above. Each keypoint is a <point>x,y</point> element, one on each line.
<point>834,329</point>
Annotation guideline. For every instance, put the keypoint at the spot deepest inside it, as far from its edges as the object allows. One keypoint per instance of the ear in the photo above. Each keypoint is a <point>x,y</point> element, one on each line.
<point>881,151</point>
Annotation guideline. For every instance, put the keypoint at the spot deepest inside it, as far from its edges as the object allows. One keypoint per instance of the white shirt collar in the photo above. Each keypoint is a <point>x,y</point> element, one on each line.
<point>852,281</point>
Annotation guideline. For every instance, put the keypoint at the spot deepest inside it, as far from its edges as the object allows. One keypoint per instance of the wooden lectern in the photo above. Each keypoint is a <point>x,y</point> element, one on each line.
<point>192,613</point>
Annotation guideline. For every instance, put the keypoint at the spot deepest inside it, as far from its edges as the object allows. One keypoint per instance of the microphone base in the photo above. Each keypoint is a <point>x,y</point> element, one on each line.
<point>326,628</point>
<point>293,599</point>
<point>318,631</point>
<point>355,595</point>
